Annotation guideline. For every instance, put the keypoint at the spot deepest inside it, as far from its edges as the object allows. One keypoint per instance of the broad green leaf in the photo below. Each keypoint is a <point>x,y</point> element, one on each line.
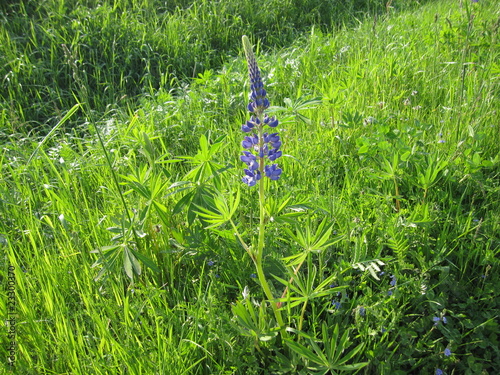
<point>127,264</point>
<point>144,259</point>
<point>304,351</point>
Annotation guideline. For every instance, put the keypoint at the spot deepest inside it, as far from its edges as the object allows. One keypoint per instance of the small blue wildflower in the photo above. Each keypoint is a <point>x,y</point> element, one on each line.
<point>436,320</point>
<point>260,145</point>
<point>441,141</point>
<point>217,276</point>
<point>390,293</point>
<point>383,330</point>
<point>253,276</point>
<point>362,311</point>
<point>447,352</point>
<point>393,281</point>
<point>439,372</point>
<point>337,304</point>
<point>210,263</point>
<point>381,273</point>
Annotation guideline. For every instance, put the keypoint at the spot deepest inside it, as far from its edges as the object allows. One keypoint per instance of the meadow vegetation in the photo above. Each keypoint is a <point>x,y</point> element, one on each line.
<point>120,126</point>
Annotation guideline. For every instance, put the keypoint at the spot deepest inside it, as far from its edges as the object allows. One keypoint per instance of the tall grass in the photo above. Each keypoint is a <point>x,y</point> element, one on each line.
<point>53,51</point>
<point>391,127</point>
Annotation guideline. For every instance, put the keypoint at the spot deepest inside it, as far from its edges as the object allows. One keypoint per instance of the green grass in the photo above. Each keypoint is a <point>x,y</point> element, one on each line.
<point>390,130</point>
<point>110,52</point>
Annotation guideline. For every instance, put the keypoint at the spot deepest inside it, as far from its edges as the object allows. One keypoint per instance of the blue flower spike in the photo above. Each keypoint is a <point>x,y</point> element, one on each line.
<point>259,145</point>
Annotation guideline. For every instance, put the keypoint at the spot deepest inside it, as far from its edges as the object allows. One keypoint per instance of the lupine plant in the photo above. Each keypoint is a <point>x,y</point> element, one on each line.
<point>260,147</point>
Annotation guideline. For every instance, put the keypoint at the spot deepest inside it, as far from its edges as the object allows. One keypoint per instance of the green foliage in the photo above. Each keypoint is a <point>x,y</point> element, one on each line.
<point>330,358</point>
<point>105,52</point>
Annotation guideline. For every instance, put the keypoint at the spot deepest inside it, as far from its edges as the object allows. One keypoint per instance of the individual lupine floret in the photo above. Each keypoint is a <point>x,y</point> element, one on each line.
<point>250,160</point>
<point>250,142</point>
<point>251,124</point>
<point>273,172</point>
<point>270,121</point>
<point>251,177</point>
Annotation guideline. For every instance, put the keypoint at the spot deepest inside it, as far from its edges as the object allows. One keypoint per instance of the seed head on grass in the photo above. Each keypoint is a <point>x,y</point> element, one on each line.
<point>258,145</point>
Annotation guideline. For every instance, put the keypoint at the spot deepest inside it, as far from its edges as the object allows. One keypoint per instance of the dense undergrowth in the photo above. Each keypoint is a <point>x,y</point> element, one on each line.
<point>390,133</point>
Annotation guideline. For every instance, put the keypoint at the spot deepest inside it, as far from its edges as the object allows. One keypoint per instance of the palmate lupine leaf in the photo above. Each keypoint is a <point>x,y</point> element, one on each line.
<point>218,210</point>
<point>292,108</point>
<point>305,290</point>
<point>201,182</point>
<point>330,357</point>
<point>108,258</point>
<point>130,263</point>
<point>127,235</point>
<point>204,168</point>
<point>275,209</point>
<point>311,241</point>
<point>253,320</point>
<point>110,255</point>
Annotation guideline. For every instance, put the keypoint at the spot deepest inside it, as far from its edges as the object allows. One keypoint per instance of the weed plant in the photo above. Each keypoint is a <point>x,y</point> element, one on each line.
<point>381,247</point>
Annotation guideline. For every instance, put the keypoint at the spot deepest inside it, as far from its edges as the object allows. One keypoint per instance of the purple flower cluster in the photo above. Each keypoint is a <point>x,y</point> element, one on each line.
<point>258,145</point>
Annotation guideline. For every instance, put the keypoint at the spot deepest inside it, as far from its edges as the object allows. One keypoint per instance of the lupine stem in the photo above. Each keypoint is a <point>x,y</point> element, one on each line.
<point>245,246</point>
<point>267,146</point>
<point>260,244</point>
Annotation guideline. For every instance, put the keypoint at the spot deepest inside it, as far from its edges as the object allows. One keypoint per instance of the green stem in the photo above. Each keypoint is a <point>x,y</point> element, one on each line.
<point>302,313</point>
<point>245,246</point>
<point>398,205</point>
<point>257,259</point>
<point>260,244</point>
